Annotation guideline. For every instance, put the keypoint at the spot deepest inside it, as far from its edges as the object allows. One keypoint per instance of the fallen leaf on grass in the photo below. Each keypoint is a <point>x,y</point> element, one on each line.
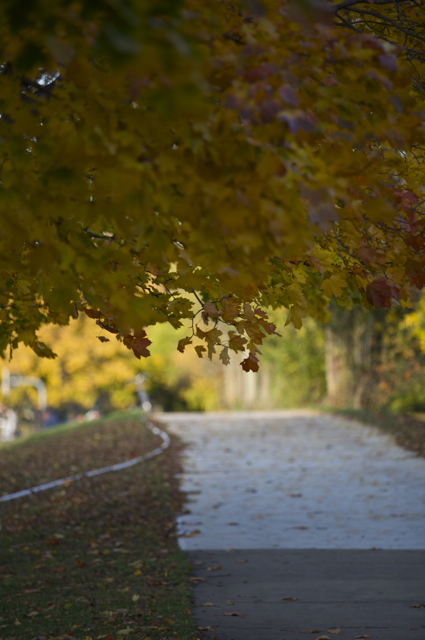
<point>30,591</point>
<point>135,598</point>
<point>289,598</point>
<point>235,614</point>
<point>58,569</point>
<point>32,613</point>
<point>124,632</point>
<point>80,563</point>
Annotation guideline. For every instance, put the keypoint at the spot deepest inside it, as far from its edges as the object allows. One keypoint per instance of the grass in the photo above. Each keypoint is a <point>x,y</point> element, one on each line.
<point>98,558</point>
<point>408,431</point>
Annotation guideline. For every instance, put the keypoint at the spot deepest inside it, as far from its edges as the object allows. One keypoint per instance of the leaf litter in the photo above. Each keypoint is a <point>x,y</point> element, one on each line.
<point>97,558</point>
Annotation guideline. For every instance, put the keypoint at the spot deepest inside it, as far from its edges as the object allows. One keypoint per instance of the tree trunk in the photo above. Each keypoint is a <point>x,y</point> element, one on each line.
<point>348,359</point>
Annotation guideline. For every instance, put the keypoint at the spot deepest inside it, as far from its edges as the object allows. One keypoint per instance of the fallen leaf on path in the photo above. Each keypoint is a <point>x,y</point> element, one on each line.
<point>205,628</point>
<point>323,638</point>
<point>417,606</point>
<point>228,602</point>
<point>233,524</point>
<point>334,630</point>
<point>236,614</point>
<point>214,568</point>
<point>295,495</point>
<point>197,580</point>
<point>366,635</point>
<point>300,528</point>
<point>289,598</point>
<point>311,631</point>
<point>241,560</point>
<point>192,533</point>
<point>207,604</point>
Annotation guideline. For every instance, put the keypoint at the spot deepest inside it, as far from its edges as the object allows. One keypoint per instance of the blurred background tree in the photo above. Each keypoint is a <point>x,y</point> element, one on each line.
<point>359,359</point>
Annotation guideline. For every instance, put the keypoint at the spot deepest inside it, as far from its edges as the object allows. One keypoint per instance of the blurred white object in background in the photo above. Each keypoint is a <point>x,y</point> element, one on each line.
<point>8,424</point>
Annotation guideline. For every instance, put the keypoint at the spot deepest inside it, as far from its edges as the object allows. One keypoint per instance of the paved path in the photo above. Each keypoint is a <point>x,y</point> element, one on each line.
<point>297,480</point>
<point>279,489</point>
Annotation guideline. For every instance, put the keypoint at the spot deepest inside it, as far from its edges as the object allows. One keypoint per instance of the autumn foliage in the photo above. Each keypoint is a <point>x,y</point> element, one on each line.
<point>261,154</point>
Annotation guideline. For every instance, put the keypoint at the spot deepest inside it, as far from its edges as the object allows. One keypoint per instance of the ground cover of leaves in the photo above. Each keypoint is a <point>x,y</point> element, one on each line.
<point>408,431</point>
<point>98,558</point>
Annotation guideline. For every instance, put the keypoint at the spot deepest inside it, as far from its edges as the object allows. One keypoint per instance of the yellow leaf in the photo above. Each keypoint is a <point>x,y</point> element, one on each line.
<point>333,286</point>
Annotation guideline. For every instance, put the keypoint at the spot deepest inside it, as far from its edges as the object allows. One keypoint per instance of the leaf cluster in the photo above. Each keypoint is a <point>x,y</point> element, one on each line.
<point>259,157</point>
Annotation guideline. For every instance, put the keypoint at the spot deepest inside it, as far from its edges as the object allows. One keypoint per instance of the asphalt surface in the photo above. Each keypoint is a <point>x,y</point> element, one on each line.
<point>305,506</point>
<point>291,594</point>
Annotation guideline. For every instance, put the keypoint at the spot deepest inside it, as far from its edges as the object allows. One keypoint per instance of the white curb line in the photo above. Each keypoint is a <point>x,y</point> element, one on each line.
<point>96,472</point>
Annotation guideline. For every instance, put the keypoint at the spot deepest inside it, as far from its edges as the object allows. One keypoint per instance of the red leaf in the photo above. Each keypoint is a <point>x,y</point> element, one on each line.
<point>406,199</point>
<point>80,563</point>
<point>380,292</point>
<point>140,345</point>
<point>416,243</point>
<point>250,363</point>
<point>91,313</point>
<point>366,255</point>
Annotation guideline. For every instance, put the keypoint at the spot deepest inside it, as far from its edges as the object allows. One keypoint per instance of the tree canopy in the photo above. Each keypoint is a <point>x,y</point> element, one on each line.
<point>254,154</point>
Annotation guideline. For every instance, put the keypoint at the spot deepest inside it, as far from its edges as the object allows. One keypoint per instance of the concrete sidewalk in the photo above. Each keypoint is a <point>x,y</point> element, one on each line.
<point>316,508</point>
<point>338,594</point>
